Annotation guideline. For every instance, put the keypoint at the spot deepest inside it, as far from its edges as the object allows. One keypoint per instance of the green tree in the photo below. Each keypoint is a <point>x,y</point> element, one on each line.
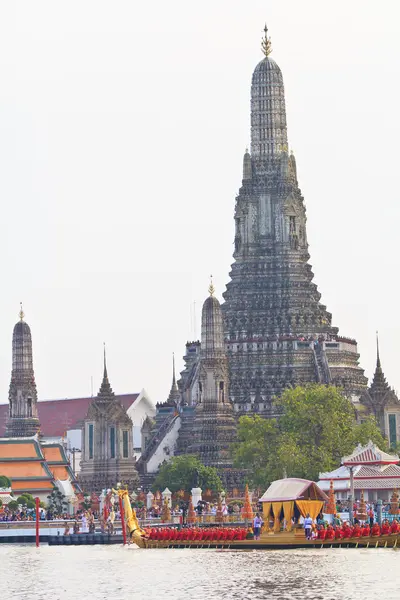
<point>317,427</point>
<point>256,448</point>
<point>13,505</point>
<point>181,472</point>
<point>5,482</point>
<point>57,503</point>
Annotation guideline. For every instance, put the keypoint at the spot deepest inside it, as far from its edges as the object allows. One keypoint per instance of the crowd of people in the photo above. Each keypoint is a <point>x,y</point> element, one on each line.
<point>205,534</point>
<point>347,531</point>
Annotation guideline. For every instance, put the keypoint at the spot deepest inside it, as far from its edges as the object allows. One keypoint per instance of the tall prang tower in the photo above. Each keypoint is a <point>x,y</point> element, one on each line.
<point>277,332</point>
<point>23,420</point>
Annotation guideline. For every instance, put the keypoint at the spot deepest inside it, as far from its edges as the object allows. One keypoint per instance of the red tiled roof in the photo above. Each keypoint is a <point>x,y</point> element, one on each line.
<point>57,416</point>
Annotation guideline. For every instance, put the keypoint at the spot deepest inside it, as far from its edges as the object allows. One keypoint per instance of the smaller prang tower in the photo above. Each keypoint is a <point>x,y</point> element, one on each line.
<point>214,427</point>
<point>23,420</point>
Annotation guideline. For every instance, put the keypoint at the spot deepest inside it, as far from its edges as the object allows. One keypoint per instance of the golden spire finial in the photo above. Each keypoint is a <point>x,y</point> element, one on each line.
<point>266,42</point>
<point>21,312</point>
<point>211,287</point>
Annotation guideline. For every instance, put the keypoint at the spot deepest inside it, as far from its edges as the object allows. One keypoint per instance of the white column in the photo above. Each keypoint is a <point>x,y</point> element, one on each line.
<point>167,494</point>
<point>196,495</point>
<point>149,500</point>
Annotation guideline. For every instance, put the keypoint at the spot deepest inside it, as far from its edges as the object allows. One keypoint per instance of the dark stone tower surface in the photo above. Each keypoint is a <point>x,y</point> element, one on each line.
<point>277,332</point>
<point>214,427</point>
<point>23,418</point>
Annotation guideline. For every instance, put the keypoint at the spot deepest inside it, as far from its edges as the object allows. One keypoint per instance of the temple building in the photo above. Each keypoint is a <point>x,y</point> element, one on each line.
<point>382,402</point>
<point>107,443</point>
<point>214,426</point>
<point>277,333</point>
<point>33,464</point>
<point>23,418</point>
<point>207,427</point>
<point>375,472</point>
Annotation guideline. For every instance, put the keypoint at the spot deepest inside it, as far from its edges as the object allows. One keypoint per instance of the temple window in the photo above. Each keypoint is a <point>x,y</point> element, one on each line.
<point>29,405</point>
<point>90,436</point>
<point>125,448</point>
<point>112,442</point>
<point>221,391</point>
<point>392,431</point>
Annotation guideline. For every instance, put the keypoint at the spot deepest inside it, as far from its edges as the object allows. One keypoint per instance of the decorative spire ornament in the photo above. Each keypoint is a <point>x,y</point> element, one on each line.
<point>211,288</point>
<point>21,312</point>
<point>266,46</point>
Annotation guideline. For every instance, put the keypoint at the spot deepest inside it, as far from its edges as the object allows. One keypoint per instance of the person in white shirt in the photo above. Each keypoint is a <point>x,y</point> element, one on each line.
<point>308,522</point>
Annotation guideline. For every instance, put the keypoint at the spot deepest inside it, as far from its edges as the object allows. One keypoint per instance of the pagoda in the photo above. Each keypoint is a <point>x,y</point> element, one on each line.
<point>214,426</point>
<point>34,464</point>
<point>278,333</point>
<point>23,420</point>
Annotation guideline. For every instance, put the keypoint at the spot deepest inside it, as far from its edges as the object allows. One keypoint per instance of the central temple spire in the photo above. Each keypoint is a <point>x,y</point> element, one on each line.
<point>268,111</point>
<point>273,316</point>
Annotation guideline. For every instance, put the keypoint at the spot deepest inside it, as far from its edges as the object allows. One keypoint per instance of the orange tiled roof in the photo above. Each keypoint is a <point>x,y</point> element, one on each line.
<point>60,473</point>
<point>52,453</point>
<point>20,469</point>
<point>13,449</point>
<point>40,484</point>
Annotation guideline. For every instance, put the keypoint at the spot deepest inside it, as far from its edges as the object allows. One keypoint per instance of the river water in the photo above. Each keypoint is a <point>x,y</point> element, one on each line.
<point>117,573</point>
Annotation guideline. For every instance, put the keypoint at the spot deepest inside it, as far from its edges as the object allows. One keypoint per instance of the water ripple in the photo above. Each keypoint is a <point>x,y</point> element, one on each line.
<point>116,573</point>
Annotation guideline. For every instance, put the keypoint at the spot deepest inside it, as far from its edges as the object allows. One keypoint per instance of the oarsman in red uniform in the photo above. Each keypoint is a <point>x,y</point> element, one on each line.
<point>366,531</point>
<point>321,533</point>
<point>347,531</point>
<point>357,531</point>
<point>385,529</point>
<point>338,533</point>
<point>330,533</point>
<point>376,530</point>
<point>394,528</point>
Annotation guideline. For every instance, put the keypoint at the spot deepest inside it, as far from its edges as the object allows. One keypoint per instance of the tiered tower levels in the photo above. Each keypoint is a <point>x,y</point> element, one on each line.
<point>277,331</point>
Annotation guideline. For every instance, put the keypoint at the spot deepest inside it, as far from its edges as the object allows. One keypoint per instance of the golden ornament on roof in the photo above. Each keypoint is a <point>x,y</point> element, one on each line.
<point>266,46</point>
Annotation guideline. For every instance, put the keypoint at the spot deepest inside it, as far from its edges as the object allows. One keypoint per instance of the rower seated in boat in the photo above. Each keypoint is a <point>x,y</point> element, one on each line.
<point>385,529</point>
<point>330,533</point>
<point>394,528</point>
<point>376,530</point>
<point>366,531</point>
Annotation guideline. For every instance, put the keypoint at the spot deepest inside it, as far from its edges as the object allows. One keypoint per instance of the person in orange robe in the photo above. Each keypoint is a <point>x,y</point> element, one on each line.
<point>376,530</point>
<point>394,528</point>
<point>385,529</point>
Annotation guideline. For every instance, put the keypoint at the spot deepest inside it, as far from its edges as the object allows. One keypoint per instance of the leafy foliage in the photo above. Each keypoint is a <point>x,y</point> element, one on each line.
<point>13,505</point>
<point>181,472</point>
<point>317,427</point>
<point>57,503</point>
<point>5,482</point>
<point>26,500</point>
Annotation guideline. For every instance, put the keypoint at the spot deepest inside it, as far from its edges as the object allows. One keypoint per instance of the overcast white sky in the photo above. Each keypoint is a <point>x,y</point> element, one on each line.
<point>122,131</point>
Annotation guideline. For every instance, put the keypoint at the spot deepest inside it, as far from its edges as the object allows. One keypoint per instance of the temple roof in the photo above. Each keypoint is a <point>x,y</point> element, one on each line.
<point>291,488</point>
<point>58,416</point>
<point>369,455</point>
<point>32,466</point>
